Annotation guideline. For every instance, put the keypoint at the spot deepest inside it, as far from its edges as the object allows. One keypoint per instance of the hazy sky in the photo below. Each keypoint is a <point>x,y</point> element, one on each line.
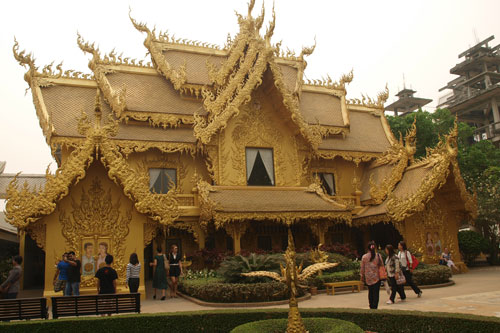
<point>380,40</point>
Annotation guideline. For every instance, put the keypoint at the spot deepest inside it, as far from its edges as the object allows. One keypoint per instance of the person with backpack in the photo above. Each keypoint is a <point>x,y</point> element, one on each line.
<point>394,274</point>
<point>369,272</point>
<point>408,264</point>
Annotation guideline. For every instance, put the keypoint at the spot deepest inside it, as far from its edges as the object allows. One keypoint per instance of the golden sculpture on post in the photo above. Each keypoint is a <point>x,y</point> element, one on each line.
<point>291,276</point>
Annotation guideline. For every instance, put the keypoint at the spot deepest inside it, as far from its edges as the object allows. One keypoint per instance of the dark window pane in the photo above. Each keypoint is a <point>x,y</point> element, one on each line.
<point>259,175</point>
<point>160,180</point>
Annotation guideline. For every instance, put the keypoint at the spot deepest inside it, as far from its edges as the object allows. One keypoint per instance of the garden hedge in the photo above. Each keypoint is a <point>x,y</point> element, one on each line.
<point>212,290</point>
<point>313,325</point>
<point>221,321</point>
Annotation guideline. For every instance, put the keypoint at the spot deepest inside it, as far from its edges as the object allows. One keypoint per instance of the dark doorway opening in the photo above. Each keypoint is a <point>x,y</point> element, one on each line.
<point>34,265</point>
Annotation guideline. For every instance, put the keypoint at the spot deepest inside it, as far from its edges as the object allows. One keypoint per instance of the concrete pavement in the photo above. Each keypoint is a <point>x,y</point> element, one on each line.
<point>476,292</point>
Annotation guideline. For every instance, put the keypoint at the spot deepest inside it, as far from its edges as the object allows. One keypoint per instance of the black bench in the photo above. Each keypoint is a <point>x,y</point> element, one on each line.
<point>23,308</point>
<point>71,306</point>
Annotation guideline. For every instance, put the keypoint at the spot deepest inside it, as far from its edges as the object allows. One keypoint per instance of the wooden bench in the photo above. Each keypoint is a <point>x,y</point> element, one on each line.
<point>330,287</point>
<point>71,306</point>
<point>23,308</point>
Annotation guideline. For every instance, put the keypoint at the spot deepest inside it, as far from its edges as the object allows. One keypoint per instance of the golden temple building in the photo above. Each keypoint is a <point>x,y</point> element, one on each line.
<point>221,148</point>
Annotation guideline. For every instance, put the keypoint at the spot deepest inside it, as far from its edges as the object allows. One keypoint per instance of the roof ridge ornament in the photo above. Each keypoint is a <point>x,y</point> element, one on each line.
<point>177,77</point>
<point>367,101</point>
<point>115,98</point>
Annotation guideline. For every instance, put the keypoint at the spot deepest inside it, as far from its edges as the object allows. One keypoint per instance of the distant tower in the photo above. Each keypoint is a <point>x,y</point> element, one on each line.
<point>406,103</point>
<point>476,90</point>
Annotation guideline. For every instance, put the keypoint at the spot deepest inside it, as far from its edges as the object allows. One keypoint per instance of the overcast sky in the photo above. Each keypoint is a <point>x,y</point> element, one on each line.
<point>380,40</point>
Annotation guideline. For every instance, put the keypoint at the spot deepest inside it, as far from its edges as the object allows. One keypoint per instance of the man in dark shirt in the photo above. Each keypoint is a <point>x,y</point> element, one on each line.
<point>107,277</point>
<point>74,273</point>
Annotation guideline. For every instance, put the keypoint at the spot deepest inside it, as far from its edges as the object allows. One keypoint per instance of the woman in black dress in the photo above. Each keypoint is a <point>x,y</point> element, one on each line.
<point>174,260</point>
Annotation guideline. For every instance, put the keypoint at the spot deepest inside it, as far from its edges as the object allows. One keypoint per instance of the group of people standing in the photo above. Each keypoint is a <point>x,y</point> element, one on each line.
<point>68,274</point>
<point>396,270</point>
<point>170,266</point>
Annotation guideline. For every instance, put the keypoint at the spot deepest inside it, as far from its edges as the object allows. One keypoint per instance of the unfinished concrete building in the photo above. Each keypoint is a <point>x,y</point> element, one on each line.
<point>476,90</point>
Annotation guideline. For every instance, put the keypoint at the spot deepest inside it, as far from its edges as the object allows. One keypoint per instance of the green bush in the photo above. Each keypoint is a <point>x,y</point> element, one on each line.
<point>313,325</point>
<point>232,267</point>
<point>320,280</point>
<point>471,244</point>
<point>214,290</point>
<point>381,321</point>
<point>431,274</point>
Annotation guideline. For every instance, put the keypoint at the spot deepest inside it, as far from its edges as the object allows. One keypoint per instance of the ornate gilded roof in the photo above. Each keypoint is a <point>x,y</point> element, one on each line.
<point>286,204</point>
<point>419,181</point>
<point>195,84</point>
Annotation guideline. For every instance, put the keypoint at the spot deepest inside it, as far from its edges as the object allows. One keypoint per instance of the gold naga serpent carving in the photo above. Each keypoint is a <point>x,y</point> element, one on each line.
<point>96,216</point>
<point>291,275</point>
<point>26,206</point>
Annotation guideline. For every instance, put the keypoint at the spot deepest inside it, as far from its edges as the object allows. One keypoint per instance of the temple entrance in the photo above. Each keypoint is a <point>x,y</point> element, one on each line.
<point>385,233</point>
<point>33,265</point>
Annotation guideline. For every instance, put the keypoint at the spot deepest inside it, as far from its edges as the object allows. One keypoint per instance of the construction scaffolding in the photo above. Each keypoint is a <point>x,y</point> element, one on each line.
<point>476,90</point>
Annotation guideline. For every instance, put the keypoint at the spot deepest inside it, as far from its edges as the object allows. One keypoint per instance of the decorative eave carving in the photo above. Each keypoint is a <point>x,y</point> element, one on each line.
<point>367,101</point>
<point>159,119</point>
<point>129,146</point>
<point>24,206</point>
<point>441,159</point>
<point>398,156</point>
<point>351,156</point>
<point>287,218</point>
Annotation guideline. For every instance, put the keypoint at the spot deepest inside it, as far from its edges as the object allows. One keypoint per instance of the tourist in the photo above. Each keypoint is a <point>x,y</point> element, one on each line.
<point>370,263</point>
<point>406,262</point>
<point>74,273</point>
<point>103,252</point>
<point>61,276</point>
<point>107,277</point>
<point>133,273</point>
<point>446,259</point>
<point>160,274</point>
<point>393,268</point>
<point>10,287</point>
<point>174,260</point>
<point>88,261</point>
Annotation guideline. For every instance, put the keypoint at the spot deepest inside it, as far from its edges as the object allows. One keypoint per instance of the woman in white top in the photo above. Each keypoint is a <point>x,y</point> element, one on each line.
<point>404,257</point>
<point>133,273</point>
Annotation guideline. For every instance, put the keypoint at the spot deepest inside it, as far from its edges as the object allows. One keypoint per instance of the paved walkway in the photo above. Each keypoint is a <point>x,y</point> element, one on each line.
<point>477,292</point>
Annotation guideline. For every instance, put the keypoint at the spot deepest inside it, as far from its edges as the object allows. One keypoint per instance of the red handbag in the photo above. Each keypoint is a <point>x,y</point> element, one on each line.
<point>414,261</point>
<point>382,272</point>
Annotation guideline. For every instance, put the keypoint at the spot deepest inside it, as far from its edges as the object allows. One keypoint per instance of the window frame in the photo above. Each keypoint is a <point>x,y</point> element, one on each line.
<point>334,173</point>
<point>246,168</point>
<point>176,180</point>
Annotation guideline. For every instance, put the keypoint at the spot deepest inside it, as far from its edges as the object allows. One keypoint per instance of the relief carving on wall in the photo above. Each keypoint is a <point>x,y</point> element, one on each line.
<point>254,128</point>
<point>93,219</point>
<point>432,227</point>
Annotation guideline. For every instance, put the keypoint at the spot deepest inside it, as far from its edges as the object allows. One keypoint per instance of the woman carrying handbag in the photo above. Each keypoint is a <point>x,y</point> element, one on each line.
<point>370,274</point>
<point>394,274</point>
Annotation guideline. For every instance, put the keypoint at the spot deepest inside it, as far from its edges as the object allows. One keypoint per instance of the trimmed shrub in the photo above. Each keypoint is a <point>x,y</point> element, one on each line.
<point>320,280</point>
<point>313,325</point>
<point>471,244</point>
<point>221,321</point>
<point>214,290</point>
<point>431,274</point>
